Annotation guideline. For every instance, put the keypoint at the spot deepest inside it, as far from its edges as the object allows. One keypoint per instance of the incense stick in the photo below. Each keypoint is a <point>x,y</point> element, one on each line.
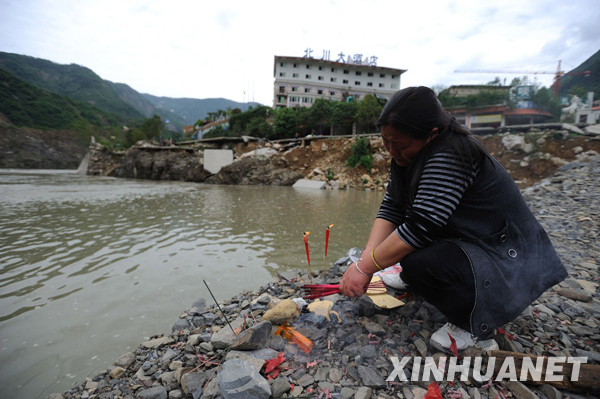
<point>217,303</point>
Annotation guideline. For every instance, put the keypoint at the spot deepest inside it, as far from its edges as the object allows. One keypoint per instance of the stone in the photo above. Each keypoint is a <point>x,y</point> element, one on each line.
<point>256,363</point>
<point>175,394</point>
<point>210,318</point>
<point>225,337</point>
<point>153,393</point>
<point>310,184</point>
<point>279,387</point>
<point>520,390</point>
<point>125,360</point>
<point>117,372</point>
<point>180,372</point>
<point>199,304</point>
<point>157,343</point>
<point>254,337</point>
<point>180,324</point>
<point>214,160</point>
<point>239,380</point>
<point>212,390</point>
<point>550,392</point>
<point>285,310</point>
<point>572,128</point>
<point>55,396</point>
<point>365,306</point>
<point>335,375</point>
<point>177,364</point>
<point>190,382</point>
<point>363,393</point>
<point>418,392</point>
<point>593,129</point>
<point>306,380</point>
<point>577,295</point>
<point>368,351</point>
<point>589,286</point>
<point>375,329</point>
<point>421,347</point>
<point>371,377</point>
<point>297,391</point>
<point>324,385</point>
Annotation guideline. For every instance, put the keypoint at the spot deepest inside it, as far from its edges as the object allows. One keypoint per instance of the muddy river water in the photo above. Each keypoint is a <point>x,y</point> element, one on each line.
<point>91,266</point>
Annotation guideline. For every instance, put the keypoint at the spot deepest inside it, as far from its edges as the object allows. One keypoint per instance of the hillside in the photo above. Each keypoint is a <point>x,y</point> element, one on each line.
<point>192,109</point>
<point>590,83</point>
<point>73,81</point>
<point>24,104</point>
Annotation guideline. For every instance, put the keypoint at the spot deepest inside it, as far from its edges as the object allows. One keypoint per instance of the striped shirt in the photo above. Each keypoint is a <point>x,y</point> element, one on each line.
<point>443,183</point>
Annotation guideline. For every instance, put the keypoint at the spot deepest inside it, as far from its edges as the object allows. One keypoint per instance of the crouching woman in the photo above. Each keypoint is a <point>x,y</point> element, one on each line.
<point>457,223</point>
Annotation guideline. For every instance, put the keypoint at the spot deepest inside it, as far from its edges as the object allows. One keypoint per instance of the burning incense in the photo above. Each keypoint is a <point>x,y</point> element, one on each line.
<point>305,236</point>
<point>326,244</point>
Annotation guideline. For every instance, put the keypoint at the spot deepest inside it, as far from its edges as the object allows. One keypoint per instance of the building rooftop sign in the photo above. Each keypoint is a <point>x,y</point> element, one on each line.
<point>355,59</point>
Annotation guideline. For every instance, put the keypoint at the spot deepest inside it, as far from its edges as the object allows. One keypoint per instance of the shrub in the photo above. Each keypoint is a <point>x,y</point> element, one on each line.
<point>329,175</point>
<point>361,154</point>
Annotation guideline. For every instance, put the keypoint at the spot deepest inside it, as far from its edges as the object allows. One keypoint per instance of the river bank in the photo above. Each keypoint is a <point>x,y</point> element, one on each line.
<point>352,355</point>
<point>528,157</point>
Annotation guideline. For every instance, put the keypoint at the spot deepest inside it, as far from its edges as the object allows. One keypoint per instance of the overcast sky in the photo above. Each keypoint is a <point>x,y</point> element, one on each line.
<point>202,49</point>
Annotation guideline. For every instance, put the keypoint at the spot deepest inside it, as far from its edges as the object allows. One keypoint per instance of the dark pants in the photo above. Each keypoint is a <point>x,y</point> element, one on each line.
<point>442,274</point>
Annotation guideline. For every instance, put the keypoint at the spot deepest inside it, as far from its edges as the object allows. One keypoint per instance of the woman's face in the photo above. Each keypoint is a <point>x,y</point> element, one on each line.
<point>401,146</point>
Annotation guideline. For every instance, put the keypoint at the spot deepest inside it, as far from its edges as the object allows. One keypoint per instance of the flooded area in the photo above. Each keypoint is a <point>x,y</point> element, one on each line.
<point>90,267</point>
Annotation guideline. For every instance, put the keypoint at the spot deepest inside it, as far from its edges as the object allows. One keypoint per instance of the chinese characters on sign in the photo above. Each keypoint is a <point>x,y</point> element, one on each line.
<point>356,59</point>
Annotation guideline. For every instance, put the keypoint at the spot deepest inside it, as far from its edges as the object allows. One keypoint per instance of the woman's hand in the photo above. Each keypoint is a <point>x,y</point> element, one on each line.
<point>354,284</point>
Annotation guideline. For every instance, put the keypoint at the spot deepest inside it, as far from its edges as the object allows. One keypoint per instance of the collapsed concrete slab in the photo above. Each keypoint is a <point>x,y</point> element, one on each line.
<point>214,160</point>
<point>305,183</point>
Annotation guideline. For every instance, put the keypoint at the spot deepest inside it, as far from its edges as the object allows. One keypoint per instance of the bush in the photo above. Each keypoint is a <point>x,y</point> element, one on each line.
<point>361,154</point>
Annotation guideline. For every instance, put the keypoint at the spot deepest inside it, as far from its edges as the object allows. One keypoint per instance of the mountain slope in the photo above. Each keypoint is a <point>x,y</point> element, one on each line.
<point>27,105</point>
<point>590,83</point>
<point>74,81</point>
<point>192,109</point>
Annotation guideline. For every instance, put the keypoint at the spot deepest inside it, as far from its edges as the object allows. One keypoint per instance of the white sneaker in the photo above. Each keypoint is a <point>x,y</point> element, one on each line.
<point>391,277</point>
<point>441,341</point>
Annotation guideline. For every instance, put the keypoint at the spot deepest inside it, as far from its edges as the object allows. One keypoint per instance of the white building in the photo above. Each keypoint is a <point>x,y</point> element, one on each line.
<point>300,81</point>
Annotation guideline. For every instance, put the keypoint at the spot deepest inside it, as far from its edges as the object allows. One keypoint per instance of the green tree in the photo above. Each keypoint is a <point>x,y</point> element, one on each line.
<point>368,111</point>
<point>284,125</point>
<point>254,127</point>
<point>361,154</point>
<point>545,100</point>
<point>152,127</point>
<point>199,123</point>
<point>496,82</point>
<point>265,129</point>
<point>343,115</point>
<point>320,114</point>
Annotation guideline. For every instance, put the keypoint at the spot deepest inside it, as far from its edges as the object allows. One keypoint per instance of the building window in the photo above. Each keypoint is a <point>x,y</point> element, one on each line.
<point>309,67</point>
<point>370,74</point>
<point>307,100</point>
<point>294,89</point>
<point>333,69</point>
<point>295,75</point>
<point>321,78</point>
<point>394,76</point>
<point>356,96</point>
<point>320,68</point>
<point>358,73</point>
<point>282,89</point>
<point>382,75</point>
<point>370,84</point>
<point>381,85</point>
<point>357,83</point>
<point>281,73</point>
<point>307,76</point>
<point>282,64</point>
<point>332,93</point>
<point>296,65</point>
<point>346,72</point>
<point>345,81</point>
<point>319,91</point>
<point>307,90</point>
<point>394,86</point>
<point>282,99</point>
<point>333,79</point>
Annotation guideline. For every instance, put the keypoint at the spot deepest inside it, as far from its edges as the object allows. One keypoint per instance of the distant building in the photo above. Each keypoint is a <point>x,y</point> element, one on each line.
<point>300,81</point>
<point>471,90</point>
<point>188,129</point>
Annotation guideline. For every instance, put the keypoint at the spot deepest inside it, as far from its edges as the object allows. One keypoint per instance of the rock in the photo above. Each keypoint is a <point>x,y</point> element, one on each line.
<point>125,360</point>
<point>572,128</point>
<point>157,343</point>
<point>225,337</point>
<point>199,304</point>
<point>347,393</point>
<point>180,372</point>
<point>55,396</point>
<point>285,310</point>
<point>577,295</point>
<point>287,275</point>
<point>279,387</point>
<point>306,380</point>
<point>588,286</point>
<point>375,329</point>
<point>550,392</point>
<point>153,393</point>
<point>190,382</point>
<point>239,380</point>
<point>253,338</point>
<point>593,129</point>
<point>520,390</point>
<point>421,347</point>
<point>590,355</point>
<point>251,170</point>
<point>363,393</point>
<point>297,391</point>
<point>365,306</point>
<point>117,372</point>
<point>161,165</point>
<point>335,375</point>
<point>368,351</point>
<point>212,390</point>
<point>371,378</point>
<point>514,143</point>
<point>256,363</point>
<point>175,394</point>
<point>175,365</point>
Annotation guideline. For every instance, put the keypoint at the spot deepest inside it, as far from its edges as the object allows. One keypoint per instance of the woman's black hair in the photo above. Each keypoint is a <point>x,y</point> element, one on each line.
<point>416,111</point>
